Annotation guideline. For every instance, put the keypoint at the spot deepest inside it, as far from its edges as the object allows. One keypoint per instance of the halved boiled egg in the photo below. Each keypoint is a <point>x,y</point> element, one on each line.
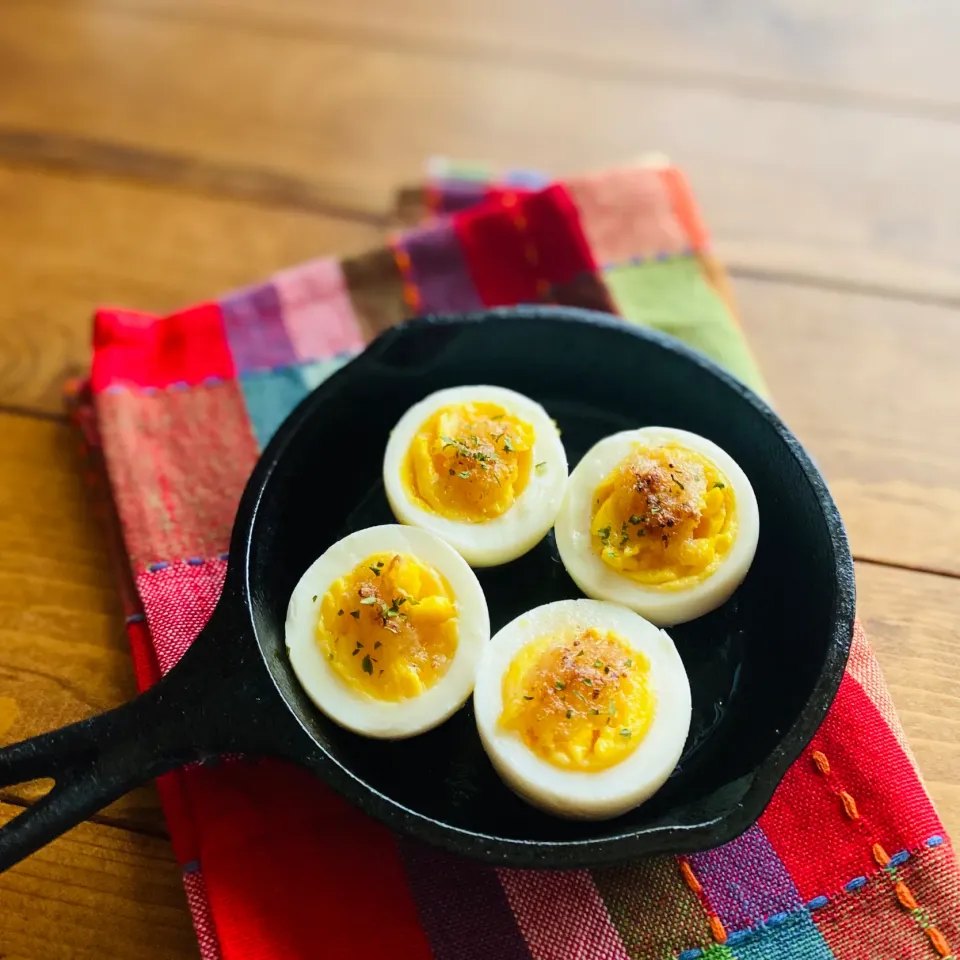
<point>385,631</point>
<point>661,520</point>
<point>482,467</point>
<point>583,707</point>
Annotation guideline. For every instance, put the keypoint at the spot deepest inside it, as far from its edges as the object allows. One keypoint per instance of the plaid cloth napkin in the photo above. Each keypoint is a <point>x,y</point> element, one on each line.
<point>849,860</point>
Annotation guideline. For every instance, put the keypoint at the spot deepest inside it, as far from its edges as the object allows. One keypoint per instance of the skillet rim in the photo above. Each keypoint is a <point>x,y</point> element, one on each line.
<point>765,776</point>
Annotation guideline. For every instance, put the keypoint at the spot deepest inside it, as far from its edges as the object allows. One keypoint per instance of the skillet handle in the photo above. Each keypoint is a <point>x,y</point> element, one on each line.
<point>92,762</point>
<point>192,714</point>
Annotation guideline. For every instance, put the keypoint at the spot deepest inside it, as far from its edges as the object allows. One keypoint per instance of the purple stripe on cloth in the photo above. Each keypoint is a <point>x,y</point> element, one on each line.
<point>439,270</point>
<point>454,195</point>
<point>744,880</point>
<point>462,906</point>
<point>253,321</point>
<point>317,311</point>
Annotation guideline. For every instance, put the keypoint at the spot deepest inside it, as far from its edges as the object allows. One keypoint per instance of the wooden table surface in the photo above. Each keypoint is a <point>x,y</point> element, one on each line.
<point>153,152</point>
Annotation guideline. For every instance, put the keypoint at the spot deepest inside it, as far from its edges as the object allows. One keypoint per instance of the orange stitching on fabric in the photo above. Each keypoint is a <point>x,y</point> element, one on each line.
<point>904,895</point>
<point>939,941</point>
<point>880,855</point>
<point>717,929</point>
<point>530,252</point>
<point>692,882</point>
<point>849,805</point>
<point>409,290</point>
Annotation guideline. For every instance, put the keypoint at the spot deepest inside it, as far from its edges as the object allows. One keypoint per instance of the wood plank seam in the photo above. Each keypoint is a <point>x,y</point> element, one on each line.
<point>88,156</point>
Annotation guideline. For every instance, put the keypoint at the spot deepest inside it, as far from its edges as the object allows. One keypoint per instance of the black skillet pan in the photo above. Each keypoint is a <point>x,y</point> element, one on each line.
<point>764,668</point>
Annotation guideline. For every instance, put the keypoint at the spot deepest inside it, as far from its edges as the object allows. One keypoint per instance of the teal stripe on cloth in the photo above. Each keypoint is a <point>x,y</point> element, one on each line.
<point>270,396</point>
<point>796,937</point>
<point>315,373</point>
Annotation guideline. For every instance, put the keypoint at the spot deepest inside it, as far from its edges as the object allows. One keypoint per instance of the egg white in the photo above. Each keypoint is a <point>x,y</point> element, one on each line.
<point>578,794</point>
<point>661,605</point>
<point>352,708</point>
<point>521,527</point>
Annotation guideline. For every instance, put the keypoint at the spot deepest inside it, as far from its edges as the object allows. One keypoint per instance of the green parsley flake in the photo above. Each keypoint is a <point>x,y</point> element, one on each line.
<point>367,664</point>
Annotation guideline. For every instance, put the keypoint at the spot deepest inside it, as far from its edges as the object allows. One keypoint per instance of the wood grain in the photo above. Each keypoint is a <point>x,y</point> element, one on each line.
<point>868,384</point>
<point>911,621</point>
<point>156,152</point>
<point>70,244</point>
<point>63,650</point>
<point>888,55</point>
<point>820,189</point>
<point>97,892</point>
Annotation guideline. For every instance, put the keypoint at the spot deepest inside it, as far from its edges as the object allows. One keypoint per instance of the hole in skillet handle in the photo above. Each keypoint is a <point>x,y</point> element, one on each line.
<point>217,699</point>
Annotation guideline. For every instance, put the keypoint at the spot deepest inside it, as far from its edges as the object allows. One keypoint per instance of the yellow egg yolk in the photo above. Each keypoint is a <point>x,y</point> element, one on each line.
<point>469,462</point>
<point>389,627</point>
<point>580,704</point>
<point>665,516</point>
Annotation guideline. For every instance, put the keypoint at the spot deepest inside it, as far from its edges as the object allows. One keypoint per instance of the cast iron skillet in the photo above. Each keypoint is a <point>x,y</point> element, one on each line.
<point>764,668</point>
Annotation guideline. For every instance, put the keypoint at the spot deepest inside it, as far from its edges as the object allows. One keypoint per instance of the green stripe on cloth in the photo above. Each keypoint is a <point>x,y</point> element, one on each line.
<point>673,296</point>
<point>718,952</point>
<point>666,915</point>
